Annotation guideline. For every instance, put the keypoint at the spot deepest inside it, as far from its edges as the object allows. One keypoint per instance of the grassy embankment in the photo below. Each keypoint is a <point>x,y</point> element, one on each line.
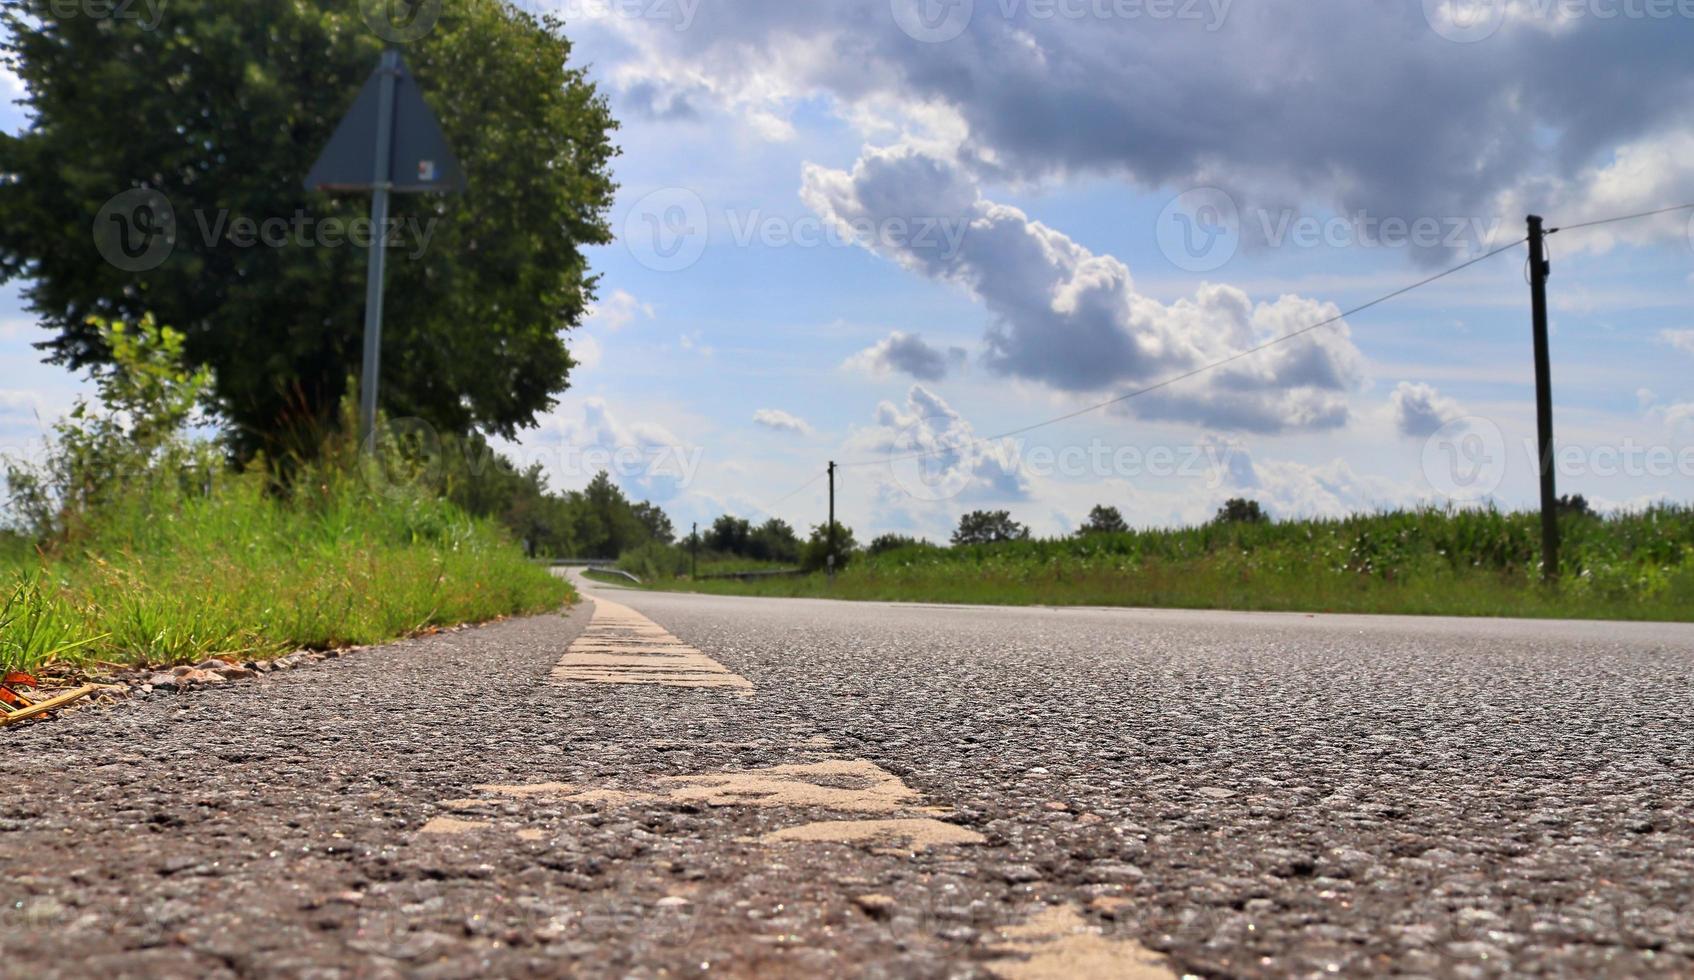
<point>1430,562</point>
<point>169,578</point>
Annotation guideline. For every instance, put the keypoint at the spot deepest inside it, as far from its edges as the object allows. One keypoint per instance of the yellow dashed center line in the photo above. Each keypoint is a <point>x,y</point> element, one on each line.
<point>621,646</point>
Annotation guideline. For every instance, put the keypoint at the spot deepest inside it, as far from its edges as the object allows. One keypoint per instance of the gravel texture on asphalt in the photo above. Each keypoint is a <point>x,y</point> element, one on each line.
<point>1246,795</point>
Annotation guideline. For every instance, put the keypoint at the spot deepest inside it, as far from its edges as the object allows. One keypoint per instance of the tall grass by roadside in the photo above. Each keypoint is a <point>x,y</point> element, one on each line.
<point>1427,562</point>
<point>243,572</point>
<point>142,547</point>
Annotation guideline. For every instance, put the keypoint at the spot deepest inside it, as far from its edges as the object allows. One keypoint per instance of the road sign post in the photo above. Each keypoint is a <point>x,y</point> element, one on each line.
<point>389,142</point>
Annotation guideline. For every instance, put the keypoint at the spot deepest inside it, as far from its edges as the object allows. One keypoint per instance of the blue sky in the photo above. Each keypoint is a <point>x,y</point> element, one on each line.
<point>1026,180</point>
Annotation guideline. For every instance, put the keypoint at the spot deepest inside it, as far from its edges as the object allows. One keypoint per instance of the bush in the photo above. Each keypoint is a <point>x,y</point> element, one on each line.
<point>884,543</point>
<point>815,556</point>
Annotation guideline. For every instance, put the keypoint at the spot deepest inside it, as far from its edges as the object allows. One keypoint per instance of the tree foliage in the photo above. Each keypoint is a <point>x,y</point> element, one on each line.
<point>1104,520</point>
<point>989,527</point>
<point>1241,511</point>
<point>222,111</point>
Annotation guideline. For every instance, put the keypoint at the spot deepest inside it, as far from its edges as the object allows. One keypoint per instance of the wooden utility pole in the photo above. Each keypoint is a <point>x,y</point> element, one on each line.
<point>1539,269</point>
<point>829,558</point>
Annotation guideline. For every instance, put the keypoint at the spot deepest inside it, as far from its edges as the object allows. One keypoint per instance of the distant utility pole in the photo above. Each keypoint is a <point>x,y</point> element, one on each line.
<point>1539,269</point>
<point>694,552</point>
<point>829,558</point>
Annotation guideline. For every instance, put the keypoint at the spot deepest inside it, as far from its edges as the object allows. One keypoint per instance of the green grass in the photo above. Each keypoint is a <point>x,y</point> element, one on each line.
<point>172,578</point>
<point>1429,562</point>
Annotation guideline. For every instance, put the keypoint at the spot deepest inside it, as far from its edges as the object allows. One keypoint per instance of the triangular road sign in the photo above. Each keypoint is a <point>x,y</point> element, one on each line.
<point>421,159</point>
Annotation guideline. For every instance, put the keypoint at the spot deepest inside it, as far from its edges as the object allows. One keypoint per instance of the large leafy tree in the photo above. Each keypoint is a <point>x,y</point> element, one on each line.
<point>222,109</point>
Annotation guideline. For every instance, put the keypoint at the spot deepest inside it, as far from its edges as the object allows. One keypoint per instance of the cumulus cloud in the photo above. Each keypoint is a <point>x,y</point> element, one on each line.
<point>1682,340</point>
<point>619,311</point>
<point>644,458</point>
<point>1279,104</point>
<point>935,455</point>
<point>780,421</point>
<point>1073,320</point>
<point>1675,415</point>
<point>909,354</point>
<point>1420,411</point>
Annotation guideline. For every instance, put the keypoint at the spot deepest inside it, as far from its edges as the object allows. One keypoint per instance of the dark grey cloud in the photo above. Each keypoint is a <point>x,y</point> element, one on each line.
<point>1345,104</point>
<point>1420,411</point>
<point>908,354</point>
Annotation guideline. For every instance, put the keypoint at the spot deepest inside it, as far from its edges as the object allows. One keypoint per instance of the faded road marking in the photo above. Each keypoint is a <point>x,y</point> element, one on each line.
<point>918,834</point>
<point>1059,944</point>
<point>841,784</point>
<point>621,646</point>
<point>449,827</point>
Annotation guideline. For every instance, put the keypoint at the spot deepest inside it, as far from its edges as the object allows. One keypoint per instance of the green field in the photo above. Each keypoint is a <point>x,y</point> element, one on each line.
<point>1429,562</point>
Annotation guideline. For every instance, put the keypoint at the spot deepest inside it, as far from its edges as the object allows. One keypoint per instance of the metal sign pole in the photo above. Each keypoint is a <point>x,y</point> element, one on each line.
<point>409,155</point>
<point>390,71</point>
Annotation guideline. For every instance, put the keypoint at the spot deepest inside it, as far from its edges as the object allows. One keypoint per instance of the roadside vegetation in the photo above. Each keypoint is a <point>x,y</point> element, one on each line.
<point>1473,562</point>
<point>734,546</point>
<point>135,542</point>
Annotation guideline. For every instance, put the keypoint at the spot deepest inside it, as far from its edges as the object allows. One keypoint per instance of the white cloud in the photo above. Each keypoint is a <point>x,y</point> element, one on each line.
<point>644,458</point>
<point>1682,340</point>
<point>934,455</point>
<point>1290,490</point>
<point>1420,411</point>
<point>1073,320</point>
<point>619,310</point>
<point>586,351</point>
<point>907,354</point>
<point>780,421</point>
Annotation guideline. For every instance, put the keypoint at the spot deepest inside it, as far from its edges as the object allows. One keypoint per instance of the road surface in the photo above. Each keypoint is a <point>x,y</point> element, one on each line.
<point>670,785</point>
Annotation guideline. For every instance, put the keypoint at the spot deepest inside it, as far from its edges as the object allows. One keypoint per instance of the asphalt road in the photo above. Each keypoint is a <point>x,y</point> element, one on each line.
<point>694,786</point>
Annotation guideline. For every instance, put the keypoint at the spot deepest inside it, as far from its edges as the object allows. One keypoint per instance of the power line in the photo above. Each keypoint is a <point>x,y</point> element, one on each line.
<point>1202,369</point>
<point>1621,217</point>
<point>793,493</point>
